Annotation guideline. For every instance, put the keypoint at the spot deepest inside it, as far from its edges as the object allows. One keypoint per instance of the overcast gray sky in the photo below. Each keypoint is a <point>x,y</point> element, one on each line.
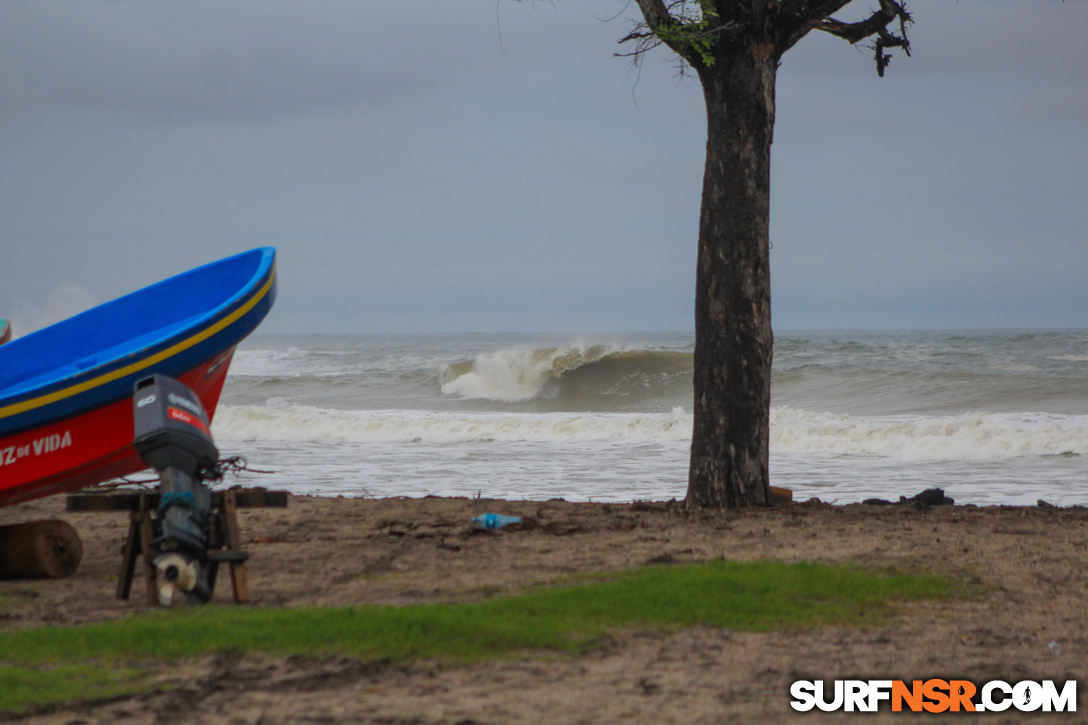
<point>467,165</point>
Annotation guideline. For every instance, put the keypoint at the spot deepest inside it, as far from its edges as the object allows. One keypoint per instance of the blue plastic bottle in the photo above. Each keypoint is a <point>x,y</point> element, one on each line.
<point>495,521</point>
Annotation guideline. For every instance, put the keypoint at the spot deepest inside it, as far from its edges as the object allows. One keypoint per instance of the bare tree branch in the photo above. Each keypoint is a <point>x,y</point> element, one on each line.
<point>876,24</point>
<point>798,17</point>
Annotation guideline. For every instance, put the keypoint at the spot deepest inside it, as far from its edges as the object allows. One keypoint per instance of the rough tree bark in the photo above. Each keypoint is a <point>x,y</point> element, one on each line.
<point>733,340</point>
<point>735,47</point>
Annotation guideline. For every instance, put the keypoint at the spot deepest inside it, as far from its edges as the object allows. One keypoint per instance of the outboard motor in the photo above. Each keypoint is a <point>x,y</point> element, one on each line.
<point>172,436</point>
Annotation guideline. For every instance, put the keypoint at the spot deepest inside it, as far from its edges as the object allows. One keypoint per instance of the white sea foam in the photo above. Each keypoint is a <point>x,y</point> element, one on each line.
<point>271,363</point>
<point>296,362</point>
<point>312,425</point>
<point>516,374</point>
<point>977,436</point>
<point>974,436</point>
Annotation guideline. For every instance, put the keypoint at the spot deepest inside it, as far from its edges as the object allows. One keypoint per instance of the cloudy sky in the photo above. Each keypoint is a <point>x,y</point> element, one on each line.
<point>472,165</point>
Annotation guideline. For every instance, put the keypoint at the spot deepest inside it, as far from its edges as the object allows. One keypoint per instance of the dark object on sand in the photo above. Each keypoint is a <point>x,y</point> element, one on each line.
<point>929,497</point>
<point>925,499</point>
<point>39,550</point>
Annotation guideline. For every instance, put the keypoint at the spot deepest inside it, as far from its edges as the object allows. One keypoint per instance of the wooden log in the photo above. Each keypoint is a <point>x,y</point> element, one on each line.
<point>48,549</point>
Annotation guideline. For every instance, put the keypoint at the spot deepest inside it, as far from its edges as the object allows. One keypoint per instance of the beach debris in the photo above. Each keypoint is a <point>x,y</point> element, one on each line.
<point>48,549</point>
<point>929,497</point>
<point>495,521</point>
<point>443,544</point>
<point>1055,648</point>
<point>665,558</point>
<point>925,499</point>
<point>563,528</point>
<point>781,495</point>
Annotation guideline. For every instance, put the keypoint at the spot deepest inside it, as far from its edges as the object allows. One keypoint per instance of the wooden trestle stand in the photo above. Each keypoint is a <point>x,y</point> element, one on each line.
<point>224,535</point>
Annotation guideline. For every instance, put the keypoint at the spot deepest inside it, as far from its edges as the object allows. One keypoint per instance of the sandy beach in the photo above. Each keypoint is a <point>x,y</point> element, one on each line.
<point>325,551</point>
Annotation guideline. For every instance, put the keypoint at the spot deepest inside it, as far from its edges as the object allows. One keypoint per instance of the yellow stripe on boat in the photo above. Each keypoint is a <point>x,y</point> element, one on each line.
<point>16,408</point>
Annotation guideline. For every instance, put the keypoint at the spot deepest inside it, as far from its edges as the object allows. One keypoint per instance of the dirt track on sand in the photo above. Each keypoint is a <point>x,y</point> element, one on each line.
<point>1034,562</point>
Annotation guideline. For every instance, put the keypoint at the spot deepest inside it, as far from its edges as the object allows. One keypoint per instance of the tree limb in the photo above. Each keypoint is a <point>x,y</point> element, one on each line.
<point>801,16</point>
<point>798,17</point>
<point>658,22</point>
<point>876,24</point>
<point>690,28</point>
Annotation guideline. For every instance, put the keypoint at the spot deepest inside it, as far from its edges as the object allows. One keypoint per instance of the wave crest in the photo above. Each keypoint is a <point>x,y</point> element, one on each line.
<point>571,372</point>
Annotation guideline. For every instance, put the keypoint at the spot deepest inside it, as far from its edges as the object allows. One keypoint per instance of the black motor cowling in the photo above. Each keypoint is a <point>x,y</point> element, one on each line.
<point>171,429</point>
<point>173,437</point>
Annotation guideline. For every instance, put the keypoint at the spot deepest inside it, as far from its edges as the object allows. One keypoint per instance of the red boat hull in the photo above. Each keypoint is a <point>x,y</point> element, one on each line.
<point>89,448</point>
<point>66,417</point>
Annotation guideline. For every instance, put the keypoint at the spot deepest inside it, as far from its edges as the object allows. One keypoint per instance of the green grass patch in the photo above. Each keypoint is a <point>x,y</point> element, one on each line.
<point>753,596</point>
<point>21,687</point>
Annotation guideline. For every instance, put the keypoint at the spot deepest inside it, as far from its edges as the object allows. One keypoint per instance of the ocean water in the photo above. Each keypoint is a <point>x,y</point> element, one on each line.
<point>992,417</point>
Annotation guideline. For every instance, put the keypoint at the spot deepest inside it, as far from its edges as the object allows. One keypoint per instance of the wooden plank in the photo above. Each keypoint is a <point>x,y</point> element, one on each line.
<point>257,498</point>
<point>129,554</point>
<point>141,534</point>
<point>234,543</point>
<point>103,501</point>
<point>211,573</point>
<point>244,499</point>
<point>147,535</point>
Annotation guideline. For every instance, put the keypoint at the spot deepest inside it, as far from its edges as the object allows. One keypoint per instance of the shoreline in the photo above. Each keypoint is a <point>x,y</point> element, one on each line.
<point>1030,561</point>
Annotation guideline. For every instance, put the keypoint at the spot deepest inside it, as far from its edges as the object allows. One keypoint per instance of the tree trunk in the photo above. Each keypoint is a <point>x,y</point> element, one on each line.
<point>733,340</point>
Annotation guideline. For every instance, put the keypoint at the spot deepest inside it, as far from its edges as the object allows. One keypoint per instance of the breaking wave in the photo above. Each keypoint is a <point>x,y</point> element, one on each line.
<point>573,373</point>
